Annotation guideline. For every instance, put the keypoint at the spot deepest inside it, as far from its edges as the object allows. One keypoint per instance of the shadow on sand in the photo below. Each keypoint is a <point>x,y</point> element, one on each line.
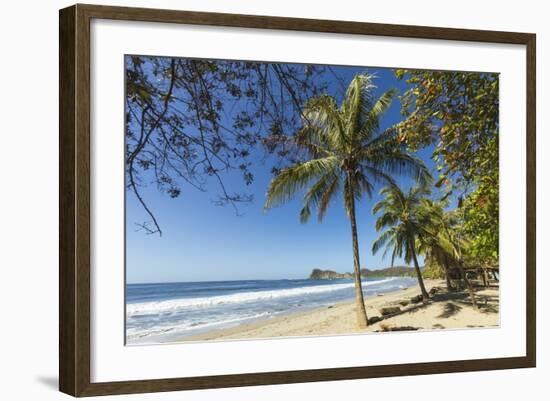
<point>452,303</point>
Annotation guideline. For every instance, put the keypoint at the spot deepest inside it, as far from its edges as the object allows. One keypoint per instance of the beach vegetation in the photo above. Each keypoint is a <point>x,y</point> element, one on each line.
<point>444,241</point>
<point>457,115</point>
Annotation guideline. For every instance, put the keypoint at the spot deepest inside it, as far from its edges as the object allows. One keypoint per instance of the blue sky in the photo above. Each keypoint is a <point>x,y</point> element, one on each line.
<point>202,241</point>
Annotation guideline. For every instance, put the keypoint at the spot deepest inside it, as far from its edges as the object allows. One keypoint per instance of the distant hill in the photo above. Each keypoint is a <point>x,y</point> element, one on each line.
<point>318,274</point>
<point>395,271</point>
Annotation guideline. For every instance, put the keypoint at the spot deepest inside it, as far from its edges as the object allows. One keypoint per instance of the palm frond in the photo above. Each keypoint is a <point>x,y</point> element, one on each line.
<point>382,140</point>
<point>388,219</point>
<point>397,162</point>
<point>305,213</point>
<point>319,196</point>
<point>382,241</point>
<point>322,114</point>
<point>379,206</point>
<point>326,198</point>
<point>296,178</point>
<point>357,105</point>
<point>377,176</point>
<point>393,255</point>
<point>365,185</point>
<point>313,140</point>
<point>371,122</point>
<point>312,196</point>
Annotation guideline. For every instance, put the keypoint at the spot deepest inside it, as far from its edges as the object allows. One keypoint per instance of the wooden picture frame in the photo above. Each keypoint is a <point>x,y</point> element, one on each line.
<point>74,203</point>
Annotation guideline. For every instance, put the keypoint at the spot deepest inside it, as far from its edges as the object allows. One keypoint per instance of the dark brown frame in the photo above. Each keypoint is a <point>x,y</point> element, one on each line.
<point>74,199</point>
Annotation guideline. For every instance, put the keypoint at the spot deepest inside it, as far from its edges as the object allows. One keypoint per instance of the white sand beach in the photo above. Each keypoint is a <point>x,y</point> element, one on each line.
<point>445,310</point>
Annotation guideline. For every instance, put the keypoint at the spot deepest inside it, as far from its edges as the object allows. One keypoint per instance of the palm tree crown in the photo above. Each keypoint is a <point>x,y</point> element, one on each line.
<point>405,221</point>
<point>346,155</point>
<point>346,151</point>
<point>436,243</point>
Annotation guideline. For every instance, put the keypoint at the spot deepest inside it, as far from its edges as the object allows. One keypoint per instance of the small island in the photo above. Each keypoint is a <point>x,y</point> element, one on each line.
<point>318,274</point>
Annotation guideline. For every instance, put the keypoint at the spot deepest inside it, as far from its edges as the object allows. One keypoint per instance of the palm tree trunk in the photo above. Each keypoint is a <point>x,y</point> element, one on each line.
<point>362,320</point>
<point>425,295</point>
<point>468,285</point>
<point>447,278</point>
<point>485,277</point>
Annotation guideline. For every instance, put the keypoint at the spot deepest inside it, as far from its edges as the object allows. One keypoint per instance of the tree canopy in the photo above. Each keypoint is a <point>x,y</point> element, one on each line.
<point>456,114</point>
<point>190,120</point>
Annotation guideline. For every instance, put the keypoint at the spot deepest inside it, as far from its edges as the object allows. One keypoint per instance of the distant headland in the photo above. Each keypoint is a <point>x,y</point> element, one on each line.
<point>395,271</point>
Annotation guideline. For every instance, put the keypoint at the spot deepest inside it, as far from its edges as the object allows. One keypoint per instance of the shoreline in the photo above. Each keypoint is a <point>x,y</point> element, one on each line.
<point>444,311</point>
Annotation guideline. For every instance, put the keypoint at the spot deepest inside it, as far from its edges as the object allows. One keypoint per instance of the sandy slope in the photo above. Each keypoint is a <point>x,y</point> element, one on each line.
<point>445,311</point>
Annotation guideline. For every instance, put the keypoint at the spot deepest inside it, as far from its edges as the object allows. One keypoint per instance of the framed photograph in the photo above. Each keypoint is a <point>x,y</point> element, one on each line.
<point>249,200</point>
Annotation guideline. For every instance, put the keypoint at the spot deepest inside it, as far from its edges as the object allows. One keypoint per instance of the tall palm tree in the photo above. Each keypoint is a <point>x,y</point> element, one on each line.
<point>434,245</point>
<point>347,155</point>
<point>404,225</point>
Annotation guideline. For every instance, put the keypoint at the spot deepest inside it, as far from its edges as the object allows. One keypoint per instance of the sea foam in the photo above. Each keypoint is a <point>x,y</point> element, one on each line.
<point>175,305</point>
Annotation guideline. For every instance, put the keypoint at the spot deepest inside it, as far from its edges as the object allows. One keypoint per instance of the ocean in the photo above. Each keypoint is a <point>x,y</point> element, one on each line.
<point>164,312</point>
